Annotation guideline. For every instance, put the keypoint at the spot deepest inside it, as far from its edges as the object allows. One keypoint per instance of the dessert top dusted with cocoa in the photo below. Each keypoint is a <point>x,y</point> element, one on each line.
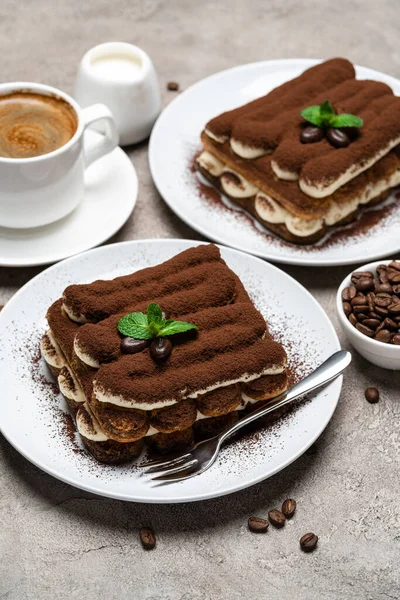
<point>272,125</point>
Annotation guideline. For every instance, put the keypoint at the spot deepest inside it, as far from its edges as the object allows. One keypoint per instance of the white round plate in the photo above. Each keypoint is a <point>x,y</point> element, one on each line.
<point>175,141</point>
<point>111,189</point>
<point>31,416</point>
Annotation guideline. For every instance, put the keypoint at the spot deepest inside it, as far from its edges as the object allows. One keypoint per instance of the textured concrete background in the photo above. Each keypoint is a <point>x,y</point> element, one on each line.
<point>56,541</point>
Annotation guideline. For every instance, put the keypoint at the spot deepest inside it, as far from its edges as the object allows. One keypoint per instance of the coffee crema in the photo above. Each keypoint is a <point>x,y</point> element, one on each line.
<point>32,124</point>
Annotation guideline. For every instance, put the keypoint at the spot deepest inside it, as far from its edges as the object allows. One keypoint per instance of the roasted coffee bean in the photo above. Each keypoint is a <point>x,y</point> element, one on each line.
<point>147,538</point>
<point>375,315</point>
<point>173,86</point>
<point>365,330</point>
<point>257,524</point>
<point>349,293</point>
<point>396,339</point>
<point>394,264</point>
<point>160,348</point>
<point>395,299</point>
<point>384,277</point>
<point>383,301</point>
<point>394,276</point>
<point>361,317</point>
<point>131,345</point>
<point>371,301</point>
<point>371,323</point>
<point>337,137</point>
<point>308,542</point>
<point>359,274</point>
<point>360,309</point>
<point>289,508</point>
<point>372,395</point>
<point>381,268</point>
<point>388,323</point>
<point>347,308</point>
<point>383,336</point>
<point>277,518</point>
<point>383,295</point>
<point>359,301</point>
<point>381,311</point>
<point>383,288</point>
<point>394,308</point>
<point>310,135</point>
<point>364,284</point>
<point>396,289</point>
<point>353,319</point>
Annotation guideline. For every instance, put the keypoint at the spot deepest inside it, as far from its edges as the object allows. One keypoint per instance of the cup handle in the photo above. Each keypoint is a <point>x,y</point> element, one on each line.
<point>110,138</point>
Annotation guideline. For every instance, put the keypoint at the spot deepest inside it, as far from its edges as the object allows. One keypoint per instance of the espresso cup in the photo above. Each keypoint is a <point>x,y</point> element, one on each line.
<point>121,76</point>
<point>42,189</point>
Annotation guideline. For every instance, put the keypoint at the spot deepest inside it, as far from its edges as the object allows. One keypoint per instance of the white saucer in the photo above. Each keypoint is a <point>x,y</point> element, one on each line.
<point>31,416</point>
<point>175,140</point>
<point>111,189</point>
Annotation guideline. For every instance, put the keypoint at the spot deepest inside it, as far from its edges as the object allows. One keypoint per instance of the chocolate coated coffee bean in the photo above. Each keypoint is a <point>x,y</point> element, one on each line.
<point>396,339</point>
<point>308,542</point>
<point>372,395</point>
<point>383,336</point>
<point>277,518</point>
<point>160,348</point>
<point>147,538</point>
<point>257,524</point>
<point>337,137</point>
<point>310,135</point>
<point>289,508</point>
<point>131,345</point>
<point>364,329</point>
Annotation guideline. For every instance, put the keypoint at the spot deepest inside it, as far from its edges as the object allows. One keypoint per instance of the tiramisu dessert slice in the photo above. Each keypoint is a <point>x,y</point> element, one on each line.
<point>168,354</point>
<point>309,155</point>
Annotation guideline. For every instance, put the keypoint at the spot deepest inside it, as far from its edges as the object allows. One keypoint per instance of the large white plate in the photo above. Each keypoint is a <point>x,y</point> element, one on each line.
<point>111,189</point>
<point>175,141</point>
<point>30,415</point>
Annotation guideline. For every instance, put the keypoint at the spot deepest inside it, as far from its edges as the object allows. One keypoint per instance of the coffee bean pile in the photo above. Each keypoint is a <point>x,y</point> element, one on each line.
<point>372,303</point>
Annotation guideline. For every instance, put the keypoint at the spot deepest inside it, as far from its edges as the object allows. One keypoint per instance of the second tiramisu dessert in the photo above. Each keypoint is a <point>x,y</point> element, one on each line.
<point>168,354</point>
<point>310,155</point>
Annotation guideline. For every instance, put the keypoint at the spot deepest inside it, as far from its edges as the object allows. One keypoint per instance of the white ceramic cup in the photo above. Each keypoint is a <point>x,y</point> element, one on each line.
<point>122,77</point>
<point>42,189</point>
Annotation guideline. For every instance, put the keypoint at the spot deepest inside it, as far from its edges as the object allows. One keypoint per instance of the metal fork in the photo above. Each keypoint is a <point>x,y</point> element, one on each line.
<point>203,454</point>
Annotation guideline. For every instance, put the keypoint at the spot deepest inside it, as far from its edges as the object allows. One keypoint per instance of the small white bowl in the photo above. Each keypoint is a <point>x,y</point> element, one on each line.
<point>378,353</point>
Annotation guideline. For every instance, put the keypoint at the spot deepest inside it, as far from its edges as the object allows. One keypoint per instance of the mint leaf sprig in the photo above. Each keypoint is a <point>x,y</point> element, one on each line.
<point>151,325</point>
<point>324,116</point>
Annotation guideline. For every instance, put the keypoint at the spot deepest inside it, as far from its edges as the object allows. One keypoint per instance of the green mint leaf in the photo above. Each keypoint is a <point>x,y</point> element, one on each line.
<point>345,120</point>
<point>154,313</point>
<point>135,325</point>
<point>326,112</point>
<point>312,114</point>
<point>172,327</point>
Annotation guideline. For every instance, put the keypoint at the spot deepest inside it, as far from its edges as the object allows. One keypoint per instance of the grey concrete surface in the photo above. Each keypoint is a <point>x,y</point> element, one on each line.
<point>57,542</point>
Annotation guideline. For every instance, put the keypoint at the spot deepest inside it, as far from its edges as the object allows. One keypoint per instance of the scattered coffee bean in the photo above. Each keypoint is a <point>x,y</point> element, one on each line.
<point>310,135</point>
<point>131,345</point>
<point>308,542</point>
<point>337,137</point>
<point>147,538</point>
<point>383,336</point>
<point>289,508</point>
<point>372,395</point>
<point>173,86</point>
<point>257,524</point>
<point>160,348</point>
<point>277,518</point>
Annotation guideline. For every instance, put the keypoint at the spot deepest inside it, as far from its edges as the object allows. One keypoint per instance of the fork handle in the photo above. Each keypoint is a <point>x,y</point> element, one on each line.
<point>329,370</point>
